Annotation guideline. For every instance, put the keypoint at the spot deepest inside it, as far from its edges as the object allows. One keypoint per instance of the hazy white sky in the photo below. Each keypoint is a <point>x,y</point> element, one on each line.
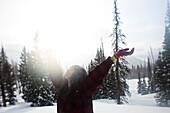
<point>74,28</point>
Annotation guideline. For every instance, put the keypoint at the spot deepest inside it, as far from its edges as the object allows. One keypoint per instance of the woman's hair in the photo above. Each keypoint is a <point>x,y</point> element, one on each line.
<point>78,76</point>
<point>76,80</point>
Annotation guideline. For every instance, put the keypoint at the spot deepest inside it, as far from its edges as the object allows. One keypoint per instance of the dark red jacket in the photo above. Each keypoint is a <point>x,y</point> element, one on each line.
<point>81,100</point>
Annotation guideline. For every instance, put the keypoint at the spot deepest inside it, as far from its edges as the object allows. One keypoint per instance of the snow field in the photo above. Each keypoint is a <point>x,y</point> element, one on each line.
<point>137,104</point>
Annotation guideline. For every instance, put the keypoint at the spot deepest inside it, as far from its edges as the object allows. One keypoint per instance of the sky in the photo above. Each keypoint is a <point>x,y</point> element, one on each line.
<point>74,28</point>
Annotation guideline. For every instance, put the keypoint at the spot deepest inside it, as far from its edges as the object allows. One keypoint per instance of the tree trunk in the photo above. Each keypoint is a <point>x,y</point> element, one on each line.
<point>118,83</point>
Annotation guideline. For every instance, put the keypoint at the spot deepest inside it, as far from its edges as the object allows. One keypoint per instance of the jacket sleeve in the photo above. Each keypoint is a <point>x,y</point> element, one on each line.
<point>58,82</point>
<point>95,77</point>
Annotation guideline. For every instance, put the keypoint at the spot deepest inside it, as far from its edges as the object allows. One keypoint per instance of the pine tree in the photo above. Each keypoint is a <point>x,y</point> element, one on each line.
<point>24,74</point>
<point>166,55</point>
<point>144,89</point>
<point>163,93</point>
<point>10,83</point>
<point>112,84</point>
<point>101,91</point>
<point>15,73</point>
<point>37,86</point>
<point>160,81</point>
<point>108,87</point>
<point>2,75</point>
<point>39,81</point>
<point>8,80</point>
<point>139,80</point>
<point>121,69</point>
<point>91,65</point>
<point>151,72</point>
<point>151,88</point>
<point>27,83</point>
<point>55,68</point>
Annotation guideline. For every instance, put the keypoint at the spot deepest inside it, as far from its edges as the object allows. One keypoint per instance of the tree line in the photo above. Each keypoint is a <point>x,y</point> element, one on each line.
<point>114,85</point>
<point>108,89</point>
<point>31,75</point>
<point>36,87</point>
<point>31,79</point>
<point>153,76</point>
<point>157,73</point>
<point>162,68</point>
<point>8,81</point>
<point>146,78</point>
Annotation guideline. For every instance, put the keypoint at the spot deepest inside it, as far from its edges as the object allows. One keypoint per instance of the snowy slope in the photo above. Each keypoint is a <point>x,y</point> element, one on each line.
<point>100,107</point>
<point>137,99</point>
<point>137,104</point>
<point>25,108</point>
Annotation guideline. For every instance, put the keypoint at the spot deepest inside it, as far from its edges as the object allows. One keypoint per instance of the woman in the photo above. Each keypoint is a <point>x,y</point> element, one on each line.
<point>75,87</point>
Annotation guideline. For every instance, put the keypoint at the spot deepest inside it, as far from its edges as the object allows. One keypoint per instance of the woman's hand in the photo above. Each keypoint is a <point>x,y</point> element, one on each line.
<point>122,52</point>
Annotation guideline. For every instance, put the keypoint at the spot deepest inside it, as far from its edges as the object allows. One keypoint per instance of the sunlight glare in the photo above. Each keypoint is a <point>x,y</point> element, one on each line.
<point>65,49</point>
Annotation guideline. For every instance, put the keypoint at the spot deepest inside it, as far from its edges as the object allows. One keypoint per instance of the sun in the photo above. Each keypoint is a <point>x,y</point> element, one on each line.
<point>66,50</point>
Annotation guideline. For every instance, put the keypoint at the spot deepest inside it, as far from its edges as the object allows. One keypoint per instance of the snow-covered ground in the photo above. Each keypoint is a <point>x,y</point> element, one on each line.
<point>137,104</point>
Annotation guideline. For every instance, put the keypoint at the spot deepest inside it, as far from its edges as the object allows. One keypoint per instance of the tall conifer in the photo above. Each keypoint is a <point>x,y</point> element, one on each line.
<point>2,75</point>
<point>121,68</point>
<point>166,54</point>
<point>7,79</point>
<point>163,85</point>
<point>37,86</point>
<point>139,80</point>
<point>10,83</point>
<point>160,81</point>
